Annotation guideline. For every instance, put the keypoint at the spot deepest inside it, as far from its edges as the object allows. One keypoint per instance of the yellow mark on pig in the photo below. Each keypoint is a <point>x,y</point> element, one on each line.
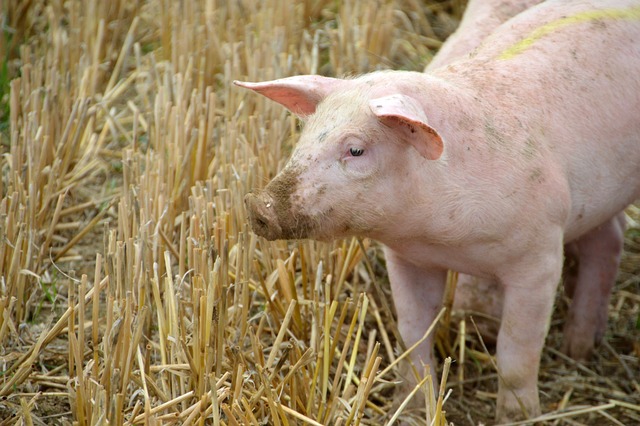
<point>631,14</point>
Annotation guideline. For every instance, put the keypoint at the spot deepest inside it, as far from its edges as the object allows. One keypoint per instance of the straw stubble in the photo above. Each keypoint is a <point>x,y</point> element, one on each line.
<point>125,162</point>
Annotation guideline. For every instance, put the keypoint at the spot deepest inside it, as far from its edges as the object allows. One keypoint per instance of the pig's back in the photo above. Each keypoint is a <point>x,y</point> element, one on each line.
<point>564,79</point>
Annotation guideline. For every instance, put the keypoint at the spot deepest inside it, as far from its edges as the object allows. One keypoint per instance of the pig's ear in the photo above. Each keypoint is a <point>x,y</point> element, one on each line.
<point>300,94</point>
<point>404,114</point>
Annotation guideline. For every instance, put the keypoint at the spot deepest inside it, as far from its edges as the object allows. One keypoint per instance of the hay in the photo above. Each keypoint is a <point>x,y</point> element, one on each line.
<point>131,288</point>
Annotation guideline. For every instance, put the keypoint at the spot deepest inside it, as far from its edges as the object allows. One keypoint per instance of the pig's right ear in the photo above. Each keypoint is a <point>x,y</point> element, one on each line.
<point>404,115</point>
<point>300,94</point>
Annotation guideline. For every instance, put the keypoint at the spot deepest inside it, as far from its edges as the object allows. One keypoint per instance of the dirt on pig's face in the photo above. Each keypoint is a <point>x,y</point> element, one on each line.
<point>293,222</point>
<point>335,183</point>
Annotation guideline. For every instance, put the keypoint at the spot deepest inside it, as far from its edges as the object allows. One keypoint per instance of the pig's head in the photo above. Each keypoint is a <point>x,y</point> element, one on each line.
<point>353,158</point>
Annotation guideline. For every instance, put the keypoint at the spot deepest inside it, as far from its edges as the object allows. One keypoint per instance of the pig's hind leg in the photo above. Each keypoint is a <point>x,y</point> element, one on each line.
<point>597,257</point>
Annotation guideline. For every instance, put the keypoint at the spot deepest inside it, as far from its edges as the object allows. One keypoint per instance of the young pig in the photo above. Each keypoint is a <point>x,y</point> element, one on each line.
<point>591,262</point>
<point>485,167</point>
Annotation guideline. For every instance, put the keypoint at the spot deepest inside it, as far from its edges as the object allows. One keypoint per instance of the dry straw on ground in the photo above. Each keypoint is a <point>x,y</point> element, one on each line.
<point>131,290</point>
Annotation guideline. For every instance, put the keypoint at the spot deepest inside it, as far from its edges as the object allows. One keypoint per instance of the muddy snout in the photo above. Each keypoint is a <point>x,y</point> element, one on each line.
<point>262,215</point>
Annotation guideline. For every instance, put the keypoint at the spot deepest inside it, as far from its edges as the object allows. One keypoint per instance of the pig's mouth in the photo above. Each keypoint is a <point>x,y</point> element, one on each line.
<point>274,221</point>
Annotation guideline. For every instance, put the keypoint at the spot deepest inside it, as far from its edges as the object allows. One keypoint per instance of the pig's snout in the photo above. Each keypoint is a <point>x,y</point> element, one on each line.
<point>262,216</point>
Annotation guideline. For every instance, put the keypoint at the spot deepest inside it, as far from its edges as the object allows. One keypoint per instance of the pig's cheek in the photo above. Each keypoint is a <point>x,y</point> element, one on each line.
<point>356,168</point>
<point>311,199</point>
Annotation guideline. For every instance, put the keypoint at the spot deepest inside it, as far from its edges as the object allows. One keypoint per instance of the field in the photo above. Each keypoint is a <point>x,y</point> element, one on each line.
<point>131,288</point>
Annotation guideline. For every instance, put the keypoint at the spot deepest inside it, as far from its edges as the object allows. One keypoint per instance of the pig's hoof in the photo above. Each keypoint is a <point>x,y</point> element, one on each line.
<point>511,409</point>
<point>515,414</point>
<point>399,398</point>
<point>579,339</point>
<point>579,348</point>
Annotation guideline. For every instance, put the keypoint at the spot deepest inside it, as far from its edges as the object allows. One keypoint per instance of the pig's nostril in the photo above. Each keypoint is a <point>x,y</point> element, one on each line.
<point>261,221</point>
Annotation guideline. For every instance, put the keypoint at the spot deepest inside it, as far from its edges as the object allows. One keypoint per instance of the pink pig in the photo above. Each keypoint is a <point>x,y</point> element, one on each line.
<point>591,262</point>
<point>486,167</point>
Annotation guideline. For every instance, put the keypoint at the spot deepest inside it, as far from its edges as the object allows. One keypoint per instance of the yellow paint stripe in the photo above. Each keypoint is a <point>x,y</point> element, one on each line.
<point>632,14</point>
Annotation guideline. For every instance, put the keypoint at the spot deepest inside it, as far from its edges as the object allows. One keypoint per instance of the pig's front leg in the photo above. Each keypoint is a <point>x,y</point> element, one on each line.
<point>417,294</point>
<point>529,290</point>
<point>598,255</point>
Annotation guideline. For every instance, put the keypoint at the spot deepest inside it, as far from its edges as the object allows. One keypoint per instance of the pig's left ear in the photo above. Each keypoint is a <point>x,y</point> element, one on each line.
<point>300,94</point>
<point>404,114</point>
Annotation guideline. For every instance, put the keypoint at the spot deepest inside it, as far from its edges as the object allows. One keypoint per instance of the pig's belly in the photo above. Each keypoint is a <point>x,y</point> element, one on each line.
<point>479,261</point>
<point>604,181</point>
<point>587,214</point>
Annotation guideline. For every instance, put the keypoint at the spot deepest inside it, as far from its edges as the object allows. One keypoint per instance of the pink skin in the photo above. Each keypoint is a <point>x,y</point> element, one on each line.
<point>595,257</point>
<point>486,167</point>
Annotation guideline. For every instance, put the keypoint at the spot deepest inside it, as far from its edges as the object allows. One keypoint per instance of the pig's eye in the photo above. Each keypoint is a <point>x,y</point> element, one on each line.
<point>356,152</point>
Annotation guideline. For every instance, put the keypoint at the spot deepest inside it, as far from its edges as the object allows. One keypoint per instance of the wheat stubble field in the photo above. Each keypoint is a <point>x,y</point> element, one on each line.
<point>131,289</point>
